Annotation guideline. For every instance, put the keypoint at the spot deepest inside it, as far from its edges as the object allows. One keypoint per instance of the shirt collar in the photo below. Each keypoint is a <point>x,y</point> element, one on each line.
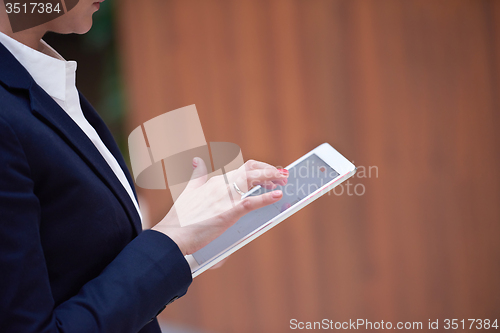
<point>48,68</point>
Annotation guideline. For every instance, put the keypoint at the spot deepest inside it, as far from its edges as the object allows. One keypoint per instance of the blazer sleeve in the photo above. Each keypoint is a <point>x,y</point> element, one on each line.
<point>146,275</point>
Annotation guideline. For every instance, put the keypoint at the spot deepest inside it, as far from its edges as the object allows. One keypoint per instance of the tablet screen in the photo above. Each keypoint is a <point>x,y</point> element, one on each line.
<point>304,178</point>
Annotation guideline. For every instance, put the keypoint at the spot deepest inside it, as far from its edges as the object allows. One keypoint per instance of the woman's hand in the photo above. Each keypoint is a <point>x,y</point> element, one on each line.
<point>205,209</point>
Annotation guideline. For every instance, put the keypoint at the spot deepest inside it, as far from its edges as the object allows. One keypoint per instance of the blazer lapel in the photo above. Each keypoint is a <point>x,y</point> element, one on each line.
<point>45,107</point>
<point>98,124</point>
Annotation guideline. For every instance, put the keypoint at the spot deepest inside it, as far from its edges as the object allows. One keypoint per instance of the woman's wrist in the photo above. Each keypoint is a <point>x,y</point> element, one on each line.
<point>173,234</point>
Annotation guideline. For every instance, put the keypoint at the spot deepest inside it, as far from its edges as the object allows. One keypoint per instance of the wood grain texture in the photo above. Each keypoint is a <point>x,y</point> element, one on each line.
<point>410,88</point>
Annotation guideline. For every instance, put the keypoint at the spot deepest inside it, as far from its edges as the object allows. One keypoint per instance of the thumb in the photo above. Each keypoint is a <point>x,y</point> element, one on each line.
<point>199,176</point>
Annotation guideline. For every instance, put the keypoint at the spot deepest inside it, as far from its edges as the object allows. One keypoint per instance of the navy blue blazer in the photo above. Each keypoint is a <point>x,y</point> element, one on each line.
<point>72,254</point>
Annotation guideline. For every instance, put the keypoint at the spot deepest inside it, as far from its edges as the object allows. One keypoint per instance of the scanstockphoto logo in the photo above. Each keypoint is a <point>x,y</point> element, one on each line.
<point>162,153</point>
<point>313,174</point>
<point>28,14</point>
<point>356,188</point>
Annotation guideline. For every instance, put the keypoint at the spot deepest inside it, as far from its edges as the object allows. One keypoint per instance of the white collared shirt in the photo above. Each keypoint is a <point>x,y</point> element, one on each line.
<point>58,78</point>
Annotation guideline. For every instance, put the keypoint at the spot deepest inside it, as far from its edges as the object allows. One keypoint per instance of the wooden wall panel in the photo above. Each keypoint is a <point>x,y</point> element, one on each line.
<point>410,88</point>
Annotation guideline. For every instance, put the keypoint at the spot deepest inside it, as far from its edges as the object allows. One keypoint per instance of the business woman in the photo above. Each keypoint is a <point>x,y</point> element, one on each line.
<point>73,256</point>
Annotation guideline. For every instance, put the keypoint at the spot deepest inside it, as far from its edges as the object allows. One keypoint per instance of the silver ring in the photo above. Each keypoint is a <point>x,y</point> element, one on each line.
<point>240,192</point>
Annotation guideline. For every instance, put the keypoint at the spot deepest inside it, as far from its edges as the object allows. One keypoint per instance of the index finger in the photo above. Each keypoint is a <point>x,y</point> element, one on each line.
<point>260,173</point>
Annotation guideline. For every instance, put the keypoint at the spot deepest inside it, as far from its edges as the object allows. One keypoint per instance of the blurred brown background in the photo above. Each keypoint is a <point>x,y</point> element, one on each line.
<point>409,87</point>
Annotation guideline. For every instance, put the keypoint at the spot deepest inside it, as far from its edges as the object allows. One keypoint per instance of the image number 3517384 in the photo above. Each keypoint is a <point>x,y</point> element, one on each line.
<point>28,14</point>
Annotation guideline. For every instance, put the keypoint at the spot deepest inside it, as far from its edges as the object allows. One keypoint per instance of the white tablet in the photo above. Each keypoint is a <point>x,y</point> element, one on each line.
<point>311,176</point>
